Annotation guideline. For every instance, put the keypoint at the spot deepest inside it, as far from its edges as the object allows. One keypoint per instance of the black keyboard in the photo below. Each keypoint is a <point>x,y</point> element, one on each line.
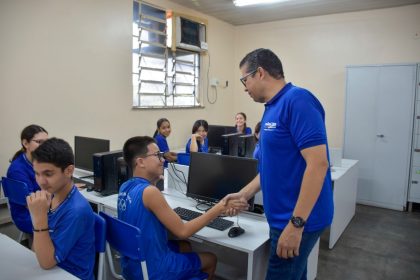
<point>188,215</point>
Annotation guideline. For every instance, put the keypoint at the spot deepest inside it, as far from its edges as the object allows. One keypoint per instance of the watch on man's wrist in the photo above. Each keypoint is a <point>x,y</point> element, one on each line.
<point>297,222</point>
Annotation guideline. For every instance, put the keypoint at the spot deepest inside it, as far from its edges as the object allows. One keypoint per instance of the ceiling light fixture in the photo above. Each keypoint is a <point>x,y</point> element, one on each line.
<point>240,3</point>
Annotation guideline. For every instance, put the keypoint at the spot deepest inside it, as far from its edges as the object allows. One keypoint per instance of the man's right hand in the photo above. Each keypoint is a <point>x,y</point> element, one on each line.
<point>237,202</point>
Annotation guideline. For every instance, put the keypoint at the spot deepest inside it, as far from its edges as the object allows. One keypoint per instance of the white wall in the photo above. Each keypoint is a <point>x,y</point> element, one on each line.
<point>315,51</point>
<point>66,65</point>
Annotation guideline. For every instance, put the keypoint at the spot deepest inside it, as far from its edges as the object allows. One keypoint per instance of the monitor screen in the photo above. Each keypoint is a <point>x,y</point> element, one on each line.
<point>211,177</point>
<point>215,134</point>
<point>85,147</point>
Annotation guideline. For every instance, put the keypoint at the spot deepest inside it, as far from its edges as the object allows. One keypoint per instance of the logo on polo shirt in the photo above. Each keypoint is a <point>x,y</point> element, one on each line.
<point>270,125</point>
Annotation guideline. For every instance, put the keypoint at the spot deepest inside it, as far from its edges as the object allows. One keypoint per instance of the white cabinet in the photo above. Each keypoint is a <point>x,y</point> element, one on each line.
<point>378,130</point>
<point>414,190</point>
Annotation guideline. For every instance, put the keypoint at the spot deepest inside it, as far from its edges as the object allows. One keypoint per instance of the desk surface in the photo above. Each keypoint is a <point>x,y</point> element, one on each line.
<point>18,262</point>
<point>256,228</point>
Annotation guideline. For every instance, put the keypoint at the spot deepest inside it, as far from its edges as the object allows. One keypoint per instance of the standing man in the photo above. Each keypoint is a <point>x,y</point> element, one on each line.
<point>293,166</point>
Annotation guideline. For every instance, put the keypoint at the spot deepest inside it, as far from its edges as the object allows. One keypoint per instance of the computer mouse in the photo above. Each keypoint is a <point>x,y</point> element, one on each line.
<point>235,231</point>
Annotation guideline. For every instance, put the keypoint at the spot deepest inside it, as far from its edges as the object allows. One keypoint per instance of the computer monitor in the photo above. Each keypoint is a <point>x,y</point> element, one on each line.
<point>246,145</point>
<point>215,135</point>
<point>85,147</point>
<point>230,144</point>
<point>211,177</point>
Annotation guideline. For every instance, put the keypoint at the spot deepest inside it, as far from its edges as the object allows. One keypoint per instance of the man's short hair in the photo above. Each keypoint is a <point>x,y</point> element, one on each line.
<point>134,147</point>
<point>266,59</point>
<point>55,151</point>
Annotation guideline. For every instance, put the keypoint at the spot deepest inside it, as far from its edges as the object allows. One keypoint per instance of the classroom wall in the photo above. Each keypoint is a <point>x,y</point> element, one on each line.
<point>315,51</point>
<point>66,65</point>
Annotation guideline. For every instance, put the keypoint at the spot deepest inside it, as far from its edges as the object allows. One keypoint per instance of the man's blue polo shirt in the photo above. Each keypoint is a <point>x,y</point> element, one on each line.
<point>293,120</point>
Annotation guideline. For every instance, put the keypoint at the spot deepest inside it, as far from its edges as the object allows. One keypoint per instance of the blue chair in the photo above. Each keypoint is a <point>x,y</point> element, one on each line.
<point>183,158</point>
<point>126,239</point>
<point>16,192</point>
<point>100,243</point>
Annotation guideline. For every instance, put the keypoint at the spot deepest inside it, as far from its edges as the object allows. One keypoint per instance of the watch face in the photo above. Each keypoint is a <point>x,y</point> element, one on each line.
<point>297,222</point>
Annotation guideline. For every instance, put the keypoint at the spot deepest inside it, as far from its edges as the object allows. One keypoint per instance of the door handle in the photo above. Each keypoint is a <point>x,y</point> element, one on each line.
<point>380,135</point>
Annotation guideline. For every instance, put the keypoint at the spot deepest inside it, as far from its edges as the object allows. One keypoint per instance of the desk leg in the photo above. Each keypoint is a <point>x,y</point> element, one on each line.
<point>258,262</point>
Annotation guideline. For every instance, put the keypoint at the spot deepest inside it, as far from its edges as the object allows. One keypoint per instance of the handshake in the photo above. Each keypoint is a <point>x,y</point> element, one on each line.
<point>234,203</point>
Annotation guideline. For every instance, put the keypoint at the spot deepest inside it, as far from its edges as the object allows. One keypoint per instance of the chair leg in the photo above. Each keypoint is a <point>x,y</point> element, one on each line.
<point>20,238</point>
<point>111,262</point>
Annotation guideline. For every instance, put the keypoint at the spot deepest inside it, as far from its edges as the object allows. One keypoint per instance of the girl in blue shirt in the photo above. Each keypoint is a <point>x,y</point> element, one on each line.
<point>163,130</point>
<point>240,124</point>
<point>198,141</point>
<point>256,153</point>
<point>21,169</point>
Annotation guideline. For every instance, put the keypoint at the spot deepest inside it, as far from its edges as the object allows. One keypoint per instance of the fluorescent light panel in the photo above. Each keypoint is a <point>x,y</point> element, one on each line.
<point>241,3</point>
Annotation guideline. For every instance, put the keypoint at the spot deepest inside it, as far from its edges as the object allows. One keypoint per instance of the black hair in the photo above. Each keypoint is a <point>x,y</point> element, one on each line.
<point>134,147</point>
<point>265,59</point>
<point>55,151</point>
<point>257,130</point>
<point>158,124</point>
<point>28,134</point>
<point>243,115</point>
<point>199,123</point>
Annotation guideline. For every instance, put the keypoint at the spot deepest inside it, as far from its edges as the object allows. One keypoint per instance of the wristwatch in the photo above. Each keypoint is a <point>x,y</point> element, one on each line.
<point>297,222</point>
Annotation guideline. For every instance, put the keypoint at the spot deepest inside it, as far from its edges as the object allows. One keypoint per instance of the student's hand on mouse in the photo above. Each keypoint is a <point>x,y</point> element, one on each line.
<point>38,204</point>
<point>289,242</point>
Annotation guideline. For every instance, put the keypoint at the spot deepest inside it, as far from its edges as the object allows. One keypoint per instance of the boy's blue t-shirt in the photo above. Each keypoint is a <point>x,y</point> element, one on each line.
<point>73,235</point>
<point>21,169</point>
<point>293,120</point>
<point>201,148</point>
<point>162,262</point>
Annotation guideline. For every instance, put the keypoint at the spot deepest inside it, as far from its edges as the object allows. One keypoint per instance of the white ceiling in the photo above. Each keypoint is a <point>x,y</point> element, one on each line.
<point>226,11</point>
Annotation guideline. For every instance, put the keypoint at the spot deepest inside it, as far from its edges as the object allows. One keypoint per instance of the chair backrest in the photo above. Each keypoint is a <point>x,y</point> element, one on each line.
<point>100,243</point>
<point>15,191</point>
<point>183,158</point>
<point>126,239</point>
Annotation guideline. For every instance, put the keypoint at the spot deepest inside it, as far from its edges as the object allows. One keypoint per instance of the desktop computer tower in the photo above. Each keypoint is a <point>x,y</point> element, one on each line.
<point>106,172</point>
<point>246,145</point>
<point>230,144</point>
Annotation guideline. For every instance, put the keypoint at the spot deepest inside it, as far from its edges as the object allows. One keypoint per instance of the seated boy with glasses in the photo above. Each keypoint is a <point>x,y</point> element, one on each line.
<point>141,204</point>
<point>63,221</point>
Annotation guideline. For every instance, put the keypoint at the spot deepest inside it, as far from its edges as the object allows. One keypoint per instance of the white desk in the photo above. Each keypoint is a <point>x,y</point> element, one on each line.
<point>344,194</point>
<point>18,262</point>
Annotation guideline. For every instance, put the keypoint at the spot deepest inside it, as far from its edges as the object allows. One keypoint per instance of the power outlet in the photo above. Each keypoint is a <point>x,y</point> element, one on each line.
<point>214,82</point>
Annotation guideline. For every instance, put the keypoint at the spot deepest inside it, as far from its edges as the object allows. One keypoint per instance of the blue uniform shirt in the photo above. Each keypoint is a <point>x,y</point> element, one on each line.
<point>162,262</point>
<point>293,120</point>
<point>73,235</point>
<point>163,145</point>
<point>21,169</point>
<point>248,130</point>
<point>201,148</point>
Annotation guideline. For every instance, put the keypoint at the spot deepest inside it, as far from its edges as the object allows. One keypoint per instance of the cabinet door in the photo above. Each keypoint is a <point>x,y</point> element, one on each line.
<point>379,118</point>
<point>395,101</point>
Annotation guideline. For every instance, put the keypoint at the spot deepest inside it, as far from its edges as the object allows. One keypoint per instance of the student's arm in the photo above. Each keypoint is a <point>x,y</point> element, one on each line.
<point>38,204</point>
<point>171,156</point>
<point>156,203</point>
<point>313,180</point>
<point>193,144</point>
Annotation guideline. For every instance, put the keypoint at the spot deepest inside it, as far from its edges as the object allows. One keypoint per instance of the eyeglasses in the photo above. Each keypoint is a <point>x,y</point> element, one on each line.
<point>244,78</point>
<point>159,155</point>
<point>38,141</point>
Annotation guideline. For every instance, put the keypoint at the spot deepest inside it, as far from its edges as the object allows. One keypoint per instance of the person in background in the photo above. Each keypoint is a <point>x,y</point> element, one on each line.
<point>21,169</point>
<point>163,130</point>
<point>63,220</point>
<point>142,205</point>
<point>256,153</point>
<point>240,124</point>
<point>293,165</point>
<point>198,141</point>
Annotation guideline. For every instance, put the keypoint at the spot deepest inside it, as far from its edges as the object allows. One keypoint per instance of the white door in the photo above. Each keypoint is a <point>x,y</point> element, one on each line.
<point>379,121</point>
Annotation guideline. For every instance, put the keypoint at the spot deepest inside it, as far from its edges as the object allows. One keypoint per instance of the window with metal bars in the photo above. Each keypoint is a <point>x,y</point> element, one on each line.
<point>161,78</point>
